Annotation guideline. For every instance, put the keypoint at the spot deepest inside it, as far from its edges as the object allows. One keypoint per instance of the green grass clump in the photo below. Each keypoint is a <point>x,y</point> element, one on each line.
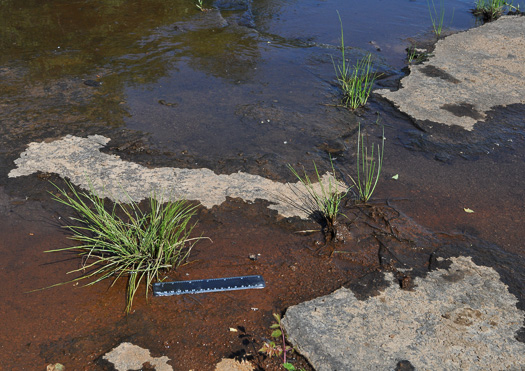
<point>437,16</point>
<point>368,167</point>
<point>123,240</point>
<point>492,9</point>
<point>357,81</point>
<point>326,196</point>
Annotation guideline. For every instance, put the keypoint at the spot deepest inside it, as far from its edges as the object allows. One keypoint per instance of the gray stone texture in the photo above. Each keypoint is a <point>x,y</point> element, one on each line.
<point>462,318</point>
<point>80,160</point>
<point>470,73</point>
<point>128,356</point>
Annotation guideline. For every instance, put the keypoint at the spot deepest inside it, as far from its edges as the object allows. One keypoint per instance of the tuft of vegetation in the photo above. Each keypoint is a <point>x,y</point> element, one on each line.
<point>122,240</point>
<point>357,81</point>
<point>490,10</point>
<point>326,197</point>
<point>437,16</point>
<point>368,167</point>
<point>417,56</point>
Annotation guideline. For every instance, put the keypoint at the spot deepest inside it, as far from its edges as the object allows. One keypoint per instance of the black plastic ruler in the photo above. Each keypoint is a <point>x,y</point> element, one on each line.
<point>208,285</point>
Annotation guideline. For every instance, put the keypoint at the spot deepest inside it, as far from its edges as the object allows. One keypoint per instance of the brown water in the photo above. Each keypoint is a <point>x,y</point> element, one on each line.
<point>179,87</point>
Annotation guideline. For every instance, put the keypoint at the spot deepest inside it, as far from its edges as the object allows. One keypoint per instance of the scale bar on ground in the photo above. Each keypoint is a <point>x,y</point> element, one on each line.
<point>208,285</point>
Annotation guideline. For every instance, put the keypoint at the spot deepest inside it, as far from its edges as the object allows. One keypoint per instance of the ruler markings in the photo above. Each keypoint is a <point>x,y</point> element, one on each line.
<point>208,285</point>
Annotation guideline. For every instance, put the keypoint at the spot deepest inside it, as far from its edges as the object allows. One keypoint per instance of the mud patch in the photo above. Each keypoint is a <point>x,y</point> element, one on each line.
<point>470,321</point>
<point>82,324</point>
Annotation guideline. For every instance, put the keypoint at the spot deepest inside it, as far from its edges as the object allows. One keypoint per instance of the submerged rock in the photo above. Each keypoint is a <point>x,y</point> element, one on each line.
<point>210,19</point>
<point>233,4</point>
<point>247,19</point>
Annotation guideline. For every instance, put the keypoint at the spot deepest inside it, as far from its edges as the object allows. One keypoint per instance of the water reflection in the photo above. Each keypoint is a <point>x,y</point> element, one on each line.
<point>221,78</point>
<point>218,46</point>
<point>75,35</point>
<point>54,46</point>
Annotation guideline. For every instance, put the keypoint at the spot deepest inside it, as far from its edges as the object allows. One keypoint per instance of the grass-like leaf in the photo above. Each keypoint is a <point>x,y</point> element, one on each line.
<point>326,195</point>
<point>436,16</point>
<point>368,167</point>
<point>357,81</point>
<point>123,240</point>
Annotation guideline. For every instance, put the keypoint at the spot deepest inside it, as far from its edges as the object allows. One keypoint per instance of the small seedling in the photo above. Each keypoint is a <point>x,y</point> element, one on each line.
<point>357,81</point>
<point>368,167</point>
<point>278,346</point>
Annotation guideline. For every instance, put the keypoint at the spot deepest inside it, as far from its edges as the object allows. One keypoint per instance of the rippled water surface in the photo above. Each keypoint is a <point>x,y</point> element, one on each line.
<point>217,83</point>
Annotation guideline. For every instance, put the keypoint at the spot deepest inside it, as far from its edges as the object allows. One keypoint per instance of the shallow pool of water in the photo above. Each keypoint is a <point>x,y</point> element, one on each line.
<point>201,82</point>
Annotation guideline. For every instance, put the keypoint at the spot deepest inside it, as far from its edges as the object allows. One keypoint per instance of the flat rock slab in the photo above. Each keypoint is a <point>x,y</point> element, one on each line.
<point>81,160</point>
<point>128,356</point>
<point>470,73</point>
<point>458,318</point>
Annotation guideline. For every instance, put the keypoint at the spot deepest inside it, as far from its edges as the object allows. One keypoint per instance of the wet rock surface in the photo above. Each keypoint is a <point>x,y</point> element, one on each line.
<point>246,19</point>
<point>469,73</point>
<point>233,4</point>
<point>459,317</point>
<point>209,19</point>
